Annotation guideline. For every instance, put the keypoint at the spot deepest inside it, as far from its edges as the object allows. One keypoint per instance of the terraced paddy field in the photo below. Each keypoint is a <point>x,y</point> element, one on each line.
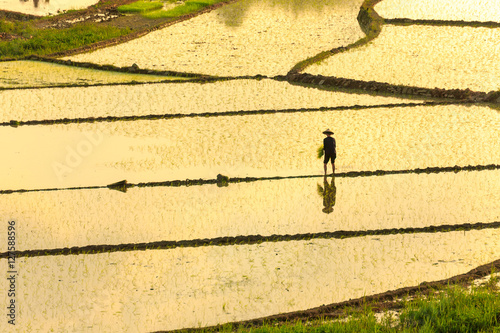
<point>245,38</point>
<point>192,287</point>
<point>296,206</point>
<point>26,74</point>
<point>142,100</point>
<point>225,214</point>
<point>202,147</point>
<point>405,55</point>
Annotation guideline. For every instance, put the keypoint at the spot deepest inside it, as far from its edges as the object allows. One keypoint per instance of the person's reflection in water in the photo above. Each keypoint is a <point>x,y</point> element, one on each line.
<point>329,193</point>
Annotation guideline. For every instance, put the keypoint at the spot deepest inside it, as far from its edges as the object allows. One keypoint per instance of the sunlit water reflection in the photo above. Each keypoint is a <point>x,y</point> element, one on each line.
<point>18,74</point>
<point>189,287</point>
<point>44,7</point>
<point>184,98</point>
<point>245,38</point>
<point>423,56</point>
<point>240,146</point>
<point>292,206</point>
<point>453,10</point>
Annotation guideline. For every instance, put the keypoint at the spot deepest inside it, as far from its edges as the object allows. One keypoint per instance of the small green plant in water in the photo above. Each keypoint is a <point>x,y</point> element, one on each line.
<point>320,151</point>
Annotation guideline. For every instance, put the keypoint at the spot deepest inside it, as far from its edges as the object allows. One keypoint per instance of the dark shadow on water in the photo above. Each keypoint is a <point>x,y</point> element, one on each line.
<point>233,15</point>
<point>329,194</point>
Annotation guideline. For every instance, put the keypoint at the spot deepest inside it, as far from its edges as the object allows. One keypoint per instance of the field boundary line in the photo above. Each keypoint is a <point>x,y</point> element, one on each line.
<point>222,181</point>
<point>248,240</point>
<point>63,121</point>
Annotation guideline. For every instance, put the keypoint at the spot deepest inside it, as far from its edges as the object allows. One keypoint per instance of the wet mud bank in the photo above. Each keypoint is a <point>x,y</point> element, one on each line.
<point>395,90</point>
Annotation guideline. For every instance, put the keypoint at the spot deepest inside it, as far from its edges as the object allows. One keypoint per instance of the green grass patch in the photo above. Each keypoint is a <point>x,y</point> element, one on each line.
<point>187,8</point>
<point>47,41</point>
<point>140,7</point>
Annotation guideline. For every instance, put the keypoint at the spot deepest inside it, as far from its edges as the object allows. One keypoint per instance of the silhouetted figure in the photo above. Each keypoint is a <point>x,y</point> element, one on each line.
<point>329,193</point>
<point>330,149</point>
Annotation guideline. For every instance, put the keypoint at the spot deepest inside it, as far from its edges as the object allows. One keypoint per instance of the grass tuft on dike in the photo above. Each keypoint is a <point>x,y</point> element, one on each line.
<point>454,309</point>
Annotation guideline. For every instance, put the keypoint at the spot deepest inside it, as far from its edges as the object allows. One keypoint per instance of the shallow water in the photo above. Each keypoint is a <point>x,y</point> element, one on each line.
<point>190,287</point>
<point>423,56</point>
<point>178,98</point>
<point>245,38</point>
<point>289,206</point>
<point>44,7</point>
<point>18,74</point>
<point>241,146</point>
<point>452,10</point>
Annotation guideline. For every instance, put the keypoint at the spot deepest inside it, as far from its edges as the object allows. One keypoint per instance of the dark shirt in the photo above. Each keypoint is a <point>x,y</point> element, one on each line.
<point>329,145</point>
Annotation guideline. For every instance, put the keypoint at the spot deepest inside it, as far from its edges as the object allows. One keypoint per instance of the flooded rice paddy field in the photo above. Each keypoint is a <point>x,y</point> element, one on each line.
<point>449,10</point>
<point>245,38</point>
<point>18,74</point>
<point>268,207</point>
<point>405,55</point>
<point>44,7</point>
<point>181,287</point>
<point>190,287</point>
<point>248,146</point>
<point>157,99</point>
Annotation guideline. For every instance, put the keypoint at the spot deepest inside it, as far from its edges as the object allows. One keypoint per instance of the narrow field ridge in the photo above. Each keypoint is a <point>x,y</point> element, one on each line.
<point>248,240</point>
<point>222,181</point>
<point>369,21</point>
<point>473,24</point>
<point>15,123</point>
<point>398,90</point>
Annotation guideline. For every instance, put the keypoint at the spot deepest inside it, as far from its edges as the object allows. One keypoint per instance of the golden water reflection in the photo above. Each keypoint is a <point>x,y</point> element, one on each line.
<point>292,206</point>
<point>190,287</point>
<point>423,56</point>
<point>26,73</point>
<point>176,98</point>
<point>276,145</point>
<point>452,10</point>
<point>270,40</point>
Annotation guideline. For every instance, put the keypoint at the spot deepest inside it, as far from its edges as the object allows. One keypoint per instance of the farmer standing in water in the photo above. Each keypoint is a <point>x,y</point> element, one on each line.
<point>329,147</point>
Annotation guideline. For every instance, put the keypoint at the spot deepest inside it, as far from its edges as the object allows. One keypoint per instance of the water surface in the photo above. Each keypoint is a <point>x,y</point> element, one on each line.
<point>44,7</point>
<point>423,56</point>
<point>154,290</point>
<point>157,99</point>
<point>262,37</point>
<point>241,146</point>
<point>450,10</point>
<point>18,74</point>
<point>279,207</point>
